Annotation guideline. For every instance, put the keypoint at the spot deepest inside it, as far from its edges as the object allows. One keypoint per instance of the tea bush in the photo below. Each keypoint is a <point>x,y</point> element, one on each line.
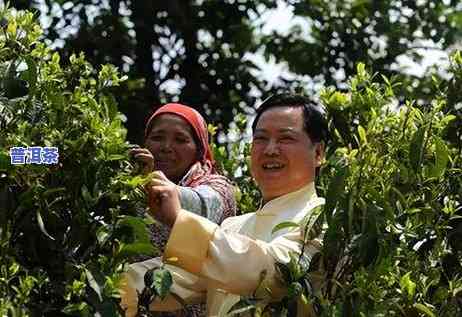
<point>65,229</point>
<point>393,189</point>
<point>393,213</point>
<point>392,182</point>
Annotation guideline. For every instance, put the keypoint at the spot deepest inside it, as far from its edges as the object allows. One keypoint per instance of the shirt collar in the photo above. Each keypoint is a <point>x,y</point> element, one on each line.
<point>293,200</point>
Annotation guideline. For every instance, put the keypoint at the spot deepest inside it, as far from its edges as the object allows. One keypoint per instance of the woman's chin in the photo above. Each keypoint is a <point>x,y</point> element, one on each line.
<point>172,176</point>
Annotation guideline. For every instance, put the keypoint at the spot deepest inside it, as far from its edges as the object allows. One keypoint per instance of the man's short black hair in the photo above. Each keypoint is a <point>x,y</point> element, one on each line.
<point>314,115</point>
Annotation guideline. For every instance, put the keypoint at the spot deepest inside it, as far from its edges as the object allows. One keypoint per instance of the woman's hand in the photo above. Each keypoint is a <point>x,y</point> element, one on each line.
<point>163,199</point>
<point>145,157</point>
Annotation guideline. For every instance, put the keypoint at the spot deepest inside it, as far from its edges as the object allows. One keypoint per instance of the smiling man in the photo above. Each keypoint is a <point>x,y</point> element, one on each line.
<point>285,152</point>
<point>218,264</point>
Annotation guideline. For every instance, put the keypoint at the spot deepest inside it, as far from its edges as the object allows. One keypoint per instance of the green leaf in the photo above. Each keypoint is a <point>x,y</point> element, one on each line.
<point>361,69</point>
<point>416,149</point>
<point>133,249</point>
<point>5,161</point>
<point>241,310</point>
<point>149,220</point>
<point>424,309</point>
<point>31,72</point>
<point>86,195</point>
<point>312,223</point>
<point>93,284</point>
<point>81,308</point>
<point>447,119</point>
<point>284,225</point>
<point>362,135</point>
<point>42,225</point>
<point>294,290</point>
<point>102,235</point>
<point>161,282</point>
<point>441,159</point>
<point>407,285</point>
<point>11,28</point>
<point>338,100</point>
<point>116,157</point>
<point>54,191</point>
<point>138,181</point>
<point>138,229</point>
<point>335,191</point>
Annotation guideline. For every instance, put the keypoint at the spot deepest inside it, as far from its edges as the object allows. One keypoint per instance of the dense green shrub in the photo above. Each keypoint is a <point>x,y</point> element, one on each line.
<point>65,229</point>
<point>393,190</point>
<point>393,213</point>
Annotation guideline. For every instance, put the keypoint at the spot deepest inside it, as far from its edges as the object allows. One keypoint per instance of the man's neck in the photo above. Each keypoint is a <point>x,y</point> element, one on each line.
<point>269,198</point>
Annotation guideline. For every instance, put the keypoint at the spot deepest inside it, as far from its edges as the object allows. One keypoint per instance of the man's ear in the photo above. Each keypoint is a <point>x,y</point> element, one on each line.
<point>319,148</point>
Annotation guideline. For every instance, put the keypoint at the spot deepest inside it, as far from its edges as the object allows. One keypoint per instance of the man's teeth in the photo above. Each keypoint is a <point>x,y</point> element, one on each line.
<point>272,166</point>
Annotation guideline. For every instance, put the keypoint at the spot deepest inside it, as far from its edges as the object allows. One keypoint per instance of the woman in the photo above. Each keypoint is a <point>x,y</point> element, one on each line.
<point>176,141</point>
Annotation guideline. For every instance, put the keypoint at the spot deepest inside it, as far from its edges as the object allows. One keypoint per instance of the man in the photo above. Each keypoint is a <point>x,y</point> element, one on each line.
<point>217,264</point>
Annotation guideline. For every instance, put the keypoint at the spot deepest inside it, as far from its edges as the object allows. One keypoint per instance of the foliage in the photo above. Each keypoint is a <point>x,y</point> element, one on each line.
<point>391,181</point>
<point>233,160</point>
<point>157,284</point>
<point>336,35</point>
<point>199,52</point>
<point>192,51</point>
<point>65,229</point>
<point>393,204</point>
<point>392,246</point>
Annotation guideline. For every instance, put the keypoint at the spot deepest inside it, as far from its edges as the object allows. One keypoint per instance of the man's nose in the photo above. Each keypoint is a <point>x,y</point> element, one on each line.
<point>272,148</point>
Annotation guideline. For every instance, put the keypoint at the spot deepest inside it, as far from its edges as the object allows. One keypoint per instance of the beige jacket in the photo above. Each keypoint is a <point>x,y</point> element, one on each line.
<point>216,264</point>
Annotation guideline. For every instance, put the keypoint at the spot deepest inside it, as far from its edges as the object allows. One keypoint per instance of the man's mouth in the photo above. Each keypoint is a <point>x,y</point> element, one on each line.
<point>272,166</point>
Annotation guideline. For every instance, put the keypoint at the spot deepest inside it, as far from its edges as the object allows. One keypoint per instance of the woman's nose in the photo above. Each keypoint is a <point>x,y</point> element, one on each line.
<point>166,145</point>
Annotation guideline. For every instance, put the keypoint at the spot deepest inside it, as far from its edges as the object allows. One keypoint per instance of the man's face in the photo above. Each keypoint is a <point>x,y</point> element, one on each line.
<point>283,158</point>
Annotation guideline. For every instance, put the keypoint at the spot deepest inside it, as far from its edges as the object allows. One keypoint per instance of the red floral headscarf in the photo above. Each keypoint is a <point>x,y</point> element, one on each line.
<point>196,121</point>
<point>202,172</point>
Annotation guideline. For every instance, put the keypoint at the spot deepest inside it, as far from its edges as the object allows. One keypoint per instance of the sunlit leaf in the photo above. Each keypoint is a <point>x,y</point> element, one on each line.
<point>335,190</point>
<point>362,135</point>
<point>416,148</point>
<point>441,158</point>
<point>161,282</point>
<point>136,249</point>
<point>407,285</point>
<point>240,310</point>
<point>424,309</point>
<point>137,226</point>
<point>284,225</point>
<point>42,225</point>
<point>93,283</point>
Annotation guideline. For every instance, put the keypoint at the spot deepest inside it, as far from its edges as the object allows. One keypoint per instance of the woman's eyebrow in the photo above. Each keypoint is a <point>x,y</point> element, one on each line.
<point>157,131</point>
<point>180,133</point>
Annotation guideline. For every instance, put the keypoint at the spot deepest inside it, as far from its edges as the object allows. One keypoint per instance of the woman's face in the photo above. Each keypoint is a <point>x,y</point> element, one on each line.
<point>172,144</point>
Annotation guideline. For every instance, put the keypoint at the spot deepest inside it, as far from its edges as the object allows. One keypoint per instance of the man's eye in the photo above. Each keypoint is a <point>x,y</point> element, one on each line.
<point>156,137</point>
<point>259,138</point>
<point>287,138</point>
